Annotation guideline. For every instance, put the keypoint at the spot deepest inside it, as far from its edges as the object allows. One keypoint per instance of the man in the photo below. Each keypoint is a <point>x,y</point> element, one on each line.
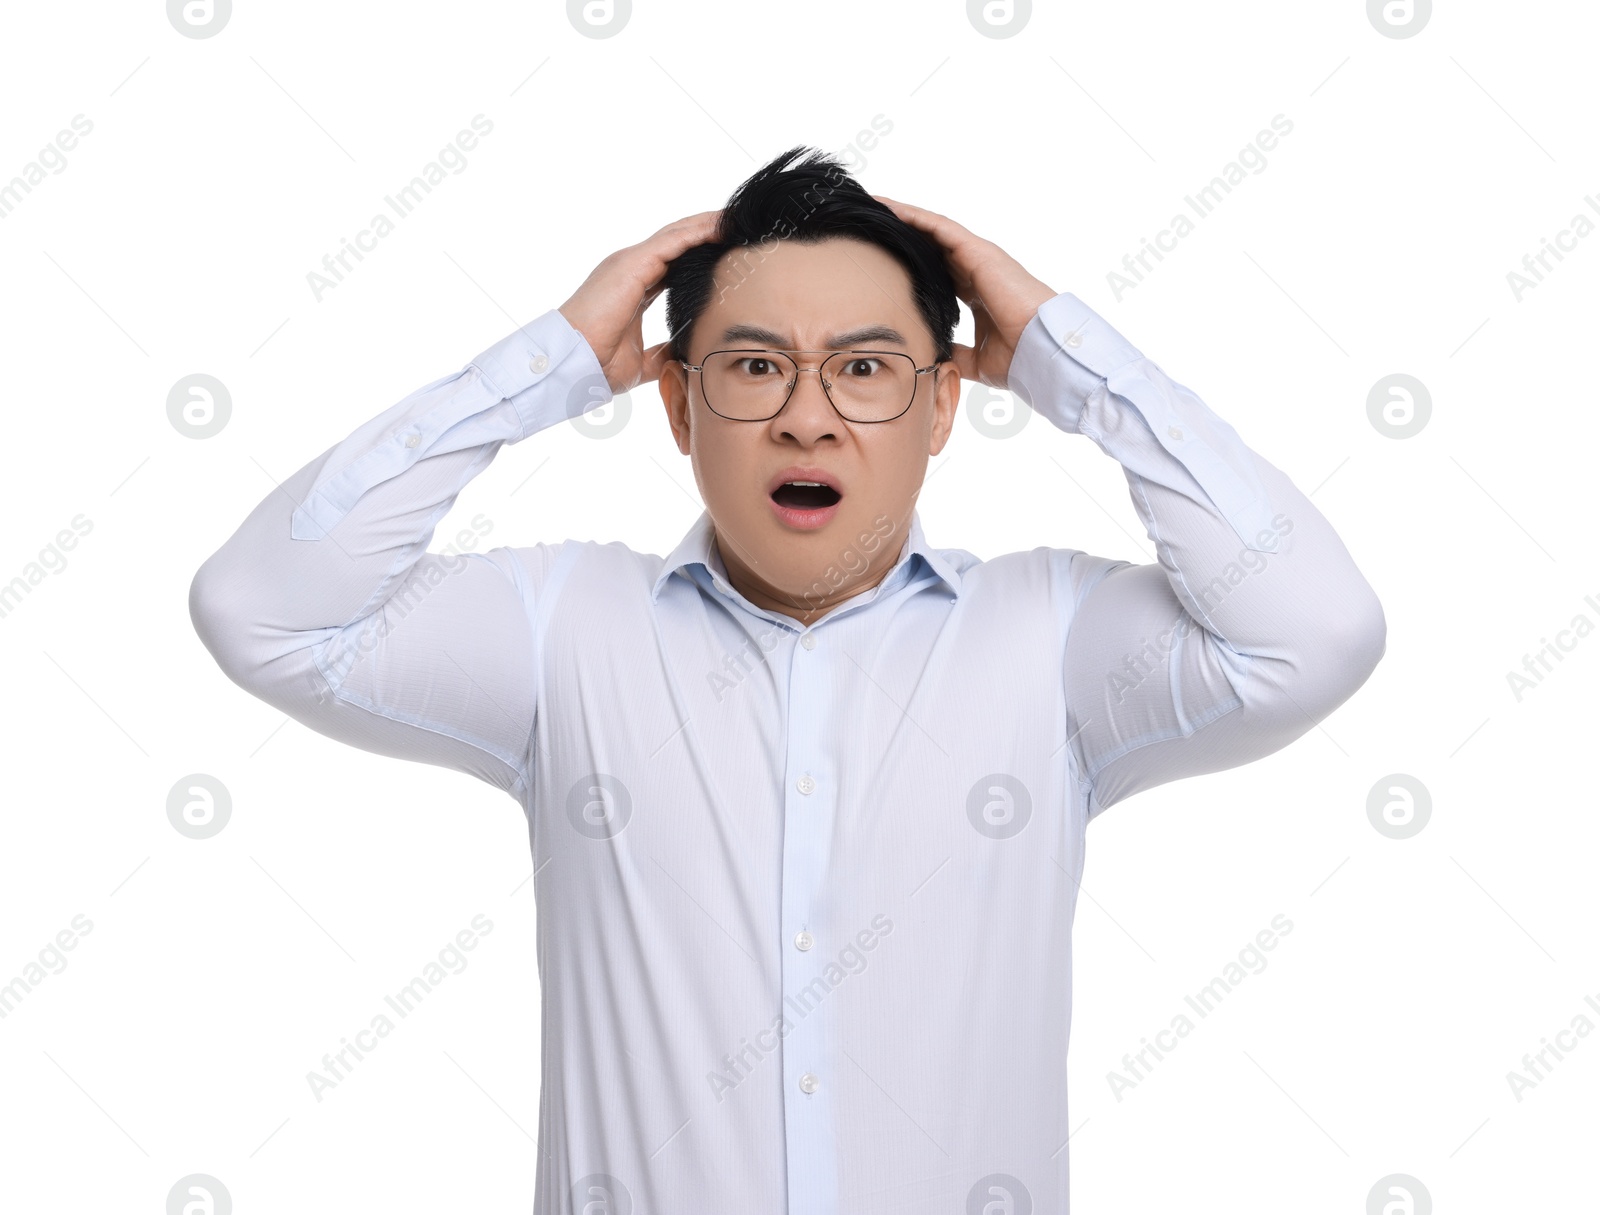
<point>807,799</point>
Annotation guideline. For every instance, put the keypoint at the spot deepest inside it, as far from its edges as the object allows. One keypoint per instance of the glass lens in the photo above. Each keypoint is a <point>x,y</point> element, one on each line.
<point>870,387</point>
<point>746,384</point>
<point>752,385</point>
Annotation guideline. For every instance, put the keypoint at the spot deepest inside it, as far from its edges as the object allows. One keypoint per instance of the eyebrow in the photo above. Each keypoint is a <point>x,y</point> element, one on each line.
<point>839,341</point>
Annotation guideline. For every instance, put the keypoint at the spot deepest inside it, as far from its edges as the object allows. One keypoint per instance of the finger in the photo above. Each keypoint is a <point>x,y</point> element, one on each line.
<point>946,229</point>
<point>654,362</point>
<point>650,295</point>
<point>697,220</point>
<point>915,216</point>
<point>960,246</point>
<point>661,248</point>
<point>671,240</point>
<point>966,361</point>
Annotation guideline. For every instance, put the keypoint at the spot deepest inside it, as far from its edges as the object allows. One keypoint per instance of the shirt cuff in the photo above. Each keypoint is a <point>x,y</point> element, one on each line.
<point>1065,353</point>
<point>541,374</point>
<point>1068,353</point>
<point>546,349</point>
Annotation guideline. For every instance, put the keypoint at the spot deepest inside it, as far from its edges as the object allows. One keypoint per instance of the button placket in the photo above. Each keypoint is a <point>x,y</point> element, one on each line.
<point>809,803</point>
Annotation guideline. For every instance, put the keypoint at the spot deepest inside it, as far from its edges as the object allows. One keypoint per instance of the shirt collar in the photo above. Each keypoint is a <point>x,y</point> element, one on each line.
<point>697,548</point>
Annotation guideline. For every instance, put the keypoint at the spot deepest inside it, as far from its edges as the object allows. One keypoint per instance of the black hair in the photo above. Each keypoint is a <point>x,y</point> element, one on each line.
<point>809,202</point>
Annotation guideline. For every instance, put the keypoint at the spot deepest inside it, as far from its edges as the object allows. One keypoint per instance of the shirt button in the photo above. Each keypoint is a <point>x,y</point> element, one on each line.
<point>805,784</point>
<point>808,1083</point>
<point>1175,432</point>
<point>802,940</point>
<point>1074,340</point>
<point>807,640</point>
<point>413,440</point>
<point>539,363</point>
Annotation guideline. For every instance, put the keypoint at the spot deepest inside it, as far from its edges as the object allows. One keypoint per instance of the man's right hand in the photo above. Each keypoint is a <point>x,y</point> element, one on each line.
<point>608,309</point>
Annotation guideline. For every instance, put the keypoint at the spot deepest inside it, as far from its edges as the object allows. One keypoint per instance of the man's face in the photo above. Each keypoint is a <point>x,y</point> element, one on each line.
<point>809,296</point>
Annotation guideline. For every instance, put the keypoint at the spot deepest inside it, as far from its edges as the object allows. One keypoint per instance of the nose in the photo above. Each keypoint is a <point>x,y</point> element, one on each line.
<point>808,413</point>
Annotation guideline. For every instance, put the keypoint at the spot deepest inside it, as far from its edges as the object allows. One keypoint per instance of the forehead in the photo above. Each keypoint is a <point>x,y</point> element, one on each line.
<point>809,295</point>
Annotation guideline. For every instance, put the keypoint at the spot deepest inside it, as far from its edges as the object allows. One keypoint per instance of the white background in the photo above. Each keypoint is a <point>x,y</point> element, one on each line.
<point>220,170</point>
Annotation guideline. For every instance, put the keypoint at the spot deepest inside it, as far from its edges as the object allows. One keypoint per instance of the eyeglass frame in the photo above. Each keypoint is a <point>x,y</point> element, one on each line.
<point>915,384</point>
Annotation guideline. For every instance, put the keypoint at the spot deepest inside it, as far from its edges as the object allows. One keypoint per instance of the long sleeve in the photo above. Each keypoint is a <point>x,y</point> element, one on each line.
<point>326,604</point>
<point>1255,622</point>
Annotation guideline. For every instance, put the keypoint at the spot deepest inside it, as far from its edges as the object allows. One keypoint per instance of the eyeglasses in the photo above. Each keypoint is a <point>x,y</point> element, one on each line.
<point>862,385</point>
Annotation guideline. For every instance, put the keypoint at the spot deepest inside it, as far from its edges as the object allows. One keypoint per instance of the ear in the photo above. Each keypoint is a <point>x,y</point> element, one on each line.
<point>674,386</point>
<point>946,396</point>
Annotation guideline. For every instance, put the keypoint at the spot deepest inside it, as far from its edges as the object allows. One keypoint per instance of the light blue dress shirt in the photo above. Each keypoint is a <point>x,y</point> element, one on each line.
<point>804,895</point>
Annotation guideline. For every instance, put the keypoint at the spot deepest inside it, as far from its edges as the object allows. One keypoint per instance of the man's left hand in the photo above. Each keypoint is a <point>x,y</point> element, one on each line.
<point>1002,295</point>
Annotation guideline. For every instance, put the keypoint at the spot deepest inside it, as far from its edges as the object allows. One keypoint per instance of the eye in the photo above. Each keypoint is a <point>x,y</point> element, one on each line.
<point>862,367</point>
<point>756,367</point>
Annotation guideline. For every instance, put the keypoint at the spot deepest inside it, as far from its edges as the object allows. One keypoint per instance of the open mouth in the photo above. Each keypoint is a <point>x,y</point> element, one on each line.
<point>805,495</point>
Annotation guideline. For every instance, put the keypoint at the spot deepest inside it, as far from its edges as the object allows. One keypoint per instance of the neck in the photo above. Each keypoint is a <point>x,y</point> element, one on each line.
<point>807,606</point>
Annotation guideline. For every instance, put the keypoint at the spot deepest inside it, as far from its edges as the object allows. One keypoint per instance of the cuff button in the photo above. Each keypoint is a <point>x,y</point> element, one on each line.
<point>539,363</point>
